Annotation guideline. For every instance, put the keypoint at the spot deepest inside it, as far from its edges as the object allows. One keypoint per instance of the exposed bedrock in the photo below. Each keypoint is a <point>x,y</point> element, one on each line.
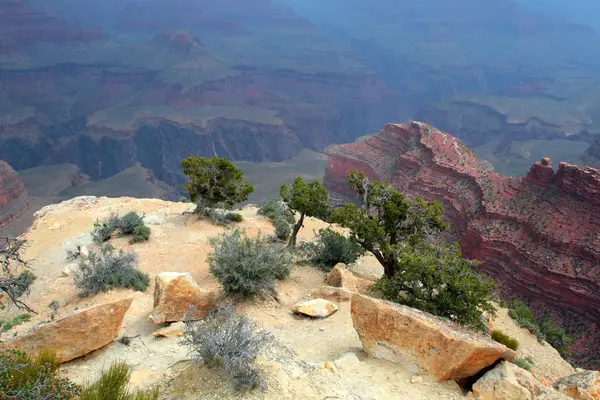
<point>13,196</point>
<point>537,236</point>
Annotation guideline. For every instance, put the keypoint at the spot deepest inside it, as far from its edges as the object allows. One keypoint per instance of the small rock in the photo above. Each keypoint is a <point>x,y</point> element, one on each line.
<point>580,386</point>
<point>84,252</point>
<point>317,308</point>
<point>341,277</point>
<point>171,331</point>
<point>328,365</point>
<point>416,379</point>
<point>333,293</point>
<point>68,270</point>
<point>347,361</point>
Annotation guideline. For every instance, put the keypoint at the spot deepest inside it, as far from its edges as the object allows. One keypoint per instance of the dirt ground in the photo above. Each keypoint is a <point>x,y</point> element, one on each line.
<point>180,243</point>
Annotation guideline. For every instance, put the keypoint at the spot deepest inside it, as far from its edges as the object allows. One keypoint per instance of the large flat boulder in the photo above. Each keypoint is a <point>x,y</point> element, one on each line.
<point>583,385</point>
<point>408,336</point>
<point>77,334</point>
<point>175,293</point>
<point>510,382</point>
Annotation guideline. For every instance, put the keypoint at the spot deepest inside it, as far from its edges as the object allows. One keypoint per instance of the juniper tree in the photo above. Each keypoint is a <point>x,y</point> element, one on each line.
<point>308,200</point>
<point>214,182</point>
<point>12,284</point>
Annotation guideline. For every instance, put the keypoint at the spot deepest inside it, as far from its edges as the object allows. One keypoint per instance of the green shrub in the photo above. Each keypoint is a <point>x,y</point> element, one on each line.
<point>109,269</point>
<point>526,364</point>
<point>141,233</point>
<point>438,280</point>
<point>248,267</point>
<point>544,329</point>
<point>129,222</point>
<point>276,209</point>
<point>234,217</point>
<point>330,248</point>
<point>33,377</point>
<point>103,231</point>
<point>113,385</point>
<point>283,229</point>
<point>230,344</point>
<point>24,280</point>
<point>18,320</point>
<point>506,340</point>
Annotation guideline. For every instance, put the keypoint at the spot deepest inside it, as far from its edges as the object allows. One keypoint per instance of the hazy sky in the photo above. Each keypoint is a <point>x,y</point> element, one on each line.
<point>580,11</point>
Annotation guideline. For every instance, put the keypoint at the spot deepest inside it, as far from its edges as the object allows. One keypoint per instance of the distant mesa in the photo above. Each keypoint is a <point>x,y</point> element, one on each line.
<point>536,235</point>
<point>13,196</point>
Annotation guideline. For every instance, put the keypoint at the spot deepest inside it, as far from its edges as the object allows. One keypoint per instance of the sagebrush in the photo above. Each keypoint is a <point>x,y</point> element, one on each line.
<point>276,209</point>
<point>330,248</point>
<point>230,344</point>
<point>248,267</point>
<point>525,363</point>
<point>108,269</point>
<point>506,340</point>
<point>130,224</point>
<point>11,323</point>
<point>24,280</point>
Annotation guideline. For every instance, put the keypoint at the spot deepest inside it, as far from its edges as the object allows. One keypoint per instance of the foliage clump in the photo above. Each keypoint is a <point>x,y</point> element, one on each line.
<point>13,285</point>
<point>309,200</point>
<point>130,224</point>
<point>248,267</point>
<point>18,320</point>
<point>230,344</point>
<point>543,329</point>
<point>24,280</point>
<point>109,269</point>
<point>506,340</point>
<point>214,182</point>
<point>33,377</point>
<point>437,279</point>
<point>220,217</point>
<point>525,363</point>
<point>330,248</point>
<point>113,384</point>
<point>280,216</point>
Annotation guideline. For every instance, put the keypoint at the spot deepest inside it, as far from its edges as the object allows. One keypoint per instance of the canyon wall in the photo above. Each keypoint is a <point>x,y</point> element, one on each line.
<point>536,235</point>
<point>13,196</point>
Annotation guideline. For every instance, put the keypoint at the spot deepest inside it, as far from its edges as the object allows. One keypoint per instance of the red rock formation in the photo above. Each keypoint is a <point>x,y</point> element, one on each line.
<point>537,235</point>
<point>13,196</point>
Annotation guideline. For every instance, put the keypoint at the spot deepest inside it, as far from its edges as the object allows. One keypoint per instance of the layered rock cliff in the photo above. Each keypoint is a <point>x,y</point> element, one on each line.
<point>536,235</point>
<point>13,196</point>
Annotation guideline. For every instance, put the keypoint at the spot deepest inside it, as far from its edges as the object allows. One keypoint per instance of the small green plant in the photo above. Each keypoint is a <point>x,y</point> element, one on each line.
<point>32,377</point>
<point>141,233</point>
<point>18,320</point>
<point>526,363</point>
<point>280,216</point>
<point>53,306</point>
<point>129,224</point>
<point>283,229</point>
<point>228,343</point>
<point>248,267</point>
<point>113,384</point>
<point>234,217</point>
<point>330,248</point>
<point>506,340</point>
<point>109,269</point>
<point>24,280</point>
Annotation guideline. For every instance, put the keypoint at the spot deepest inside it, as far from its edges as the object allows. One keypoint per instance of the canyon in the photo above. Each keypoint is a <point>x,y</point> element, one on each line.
<point>536,235</point>
<point>13,196</point>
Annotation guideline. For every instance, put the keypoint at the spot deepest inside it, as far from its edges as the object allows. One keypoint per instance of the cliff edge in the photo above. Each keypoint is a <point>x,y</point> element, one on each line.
<point>13,196</point>
<point>536,235</point>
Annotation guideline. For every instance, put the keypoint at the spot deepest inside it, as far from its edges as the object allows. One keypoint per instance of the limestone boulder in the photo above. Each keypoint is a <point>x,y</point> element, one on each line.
<point>580,386</point>
<point>171,331</point>
<point>340,276</point>
<point>510,382</point>
<point>175,293</point>
<point>336,294</point>
<point>316,308</point>
<point>77,334</point>
<point>411,337</point>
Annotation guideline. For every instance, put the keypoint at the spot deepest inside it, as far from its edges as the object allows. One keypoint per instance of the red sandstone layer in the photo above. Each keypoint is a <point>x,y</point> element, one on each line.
<point>13,196</point>
<point>537,235</point>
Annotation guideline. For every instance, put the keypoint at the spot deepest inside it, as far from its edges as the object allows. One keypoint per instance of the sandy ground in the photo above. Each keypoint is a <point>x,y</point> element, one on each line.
<point>180,243</point>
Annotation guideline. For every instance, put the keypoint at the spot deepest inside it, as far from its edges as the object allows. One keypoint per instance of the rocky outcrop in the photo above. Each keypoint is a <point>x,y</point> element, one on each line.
<point>78,334</point>
<point>580,386</point>
<point>509,382</point>
<point>13,196</point>
<point>176,294</point>
<point>409,336</point>
<point>536,235</point>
